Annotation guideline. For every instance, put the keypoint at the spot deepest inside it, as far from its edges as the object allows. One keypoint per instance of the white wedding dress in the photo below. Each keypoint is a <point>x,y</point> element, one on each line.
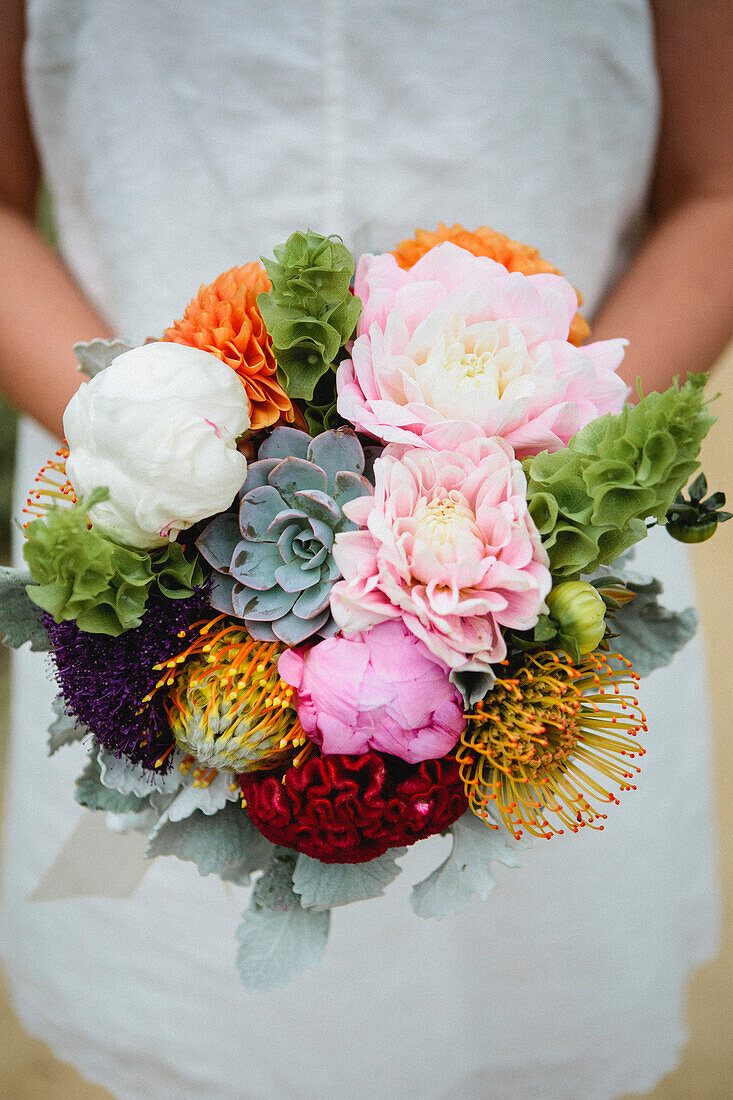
<point>180,138</point>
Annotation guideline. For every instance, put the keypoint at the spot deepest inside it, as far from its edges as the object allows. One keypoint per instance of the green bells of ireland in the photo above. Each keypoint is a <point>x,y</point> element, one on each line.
<point>81,575</point>
<point>591,500</point>
<point>309,312</point>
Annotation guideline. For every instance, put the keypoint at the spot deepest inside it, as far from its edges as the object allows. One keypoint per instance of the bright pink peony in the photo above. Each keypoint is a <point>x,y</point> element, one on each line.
<point>448,547</point>
<point>384,690</point>
<point>458,338</point>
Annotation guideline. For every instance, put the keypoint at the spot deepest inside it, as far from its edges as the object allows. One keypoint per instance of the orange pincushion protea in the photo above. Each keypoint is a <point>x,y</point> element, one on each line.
<point>53,488</point>
<point>224,319</point>
<point>497,246</point>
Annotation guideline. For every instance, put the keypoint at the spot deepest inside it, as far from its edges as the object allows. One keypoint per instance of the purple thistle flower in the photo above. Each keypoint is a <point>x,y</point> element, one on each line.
<point>104,680</point>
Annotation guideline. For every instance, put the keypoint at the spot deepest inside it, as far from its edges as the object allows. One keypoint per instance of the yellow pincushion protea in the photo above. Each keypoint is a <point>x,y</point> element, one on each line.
<point>548,743</point>
<point>227,706</point>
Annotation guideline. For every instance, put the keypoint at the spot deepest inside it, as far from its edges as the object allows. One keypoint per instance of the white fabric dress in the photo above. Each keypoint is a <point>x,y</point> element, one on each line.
<point>180,138</point>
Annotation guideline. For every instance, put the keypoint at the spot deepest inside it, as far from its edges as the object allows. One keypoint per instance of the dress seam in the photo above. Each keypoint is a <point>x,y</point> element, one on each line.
<point>334,80</point>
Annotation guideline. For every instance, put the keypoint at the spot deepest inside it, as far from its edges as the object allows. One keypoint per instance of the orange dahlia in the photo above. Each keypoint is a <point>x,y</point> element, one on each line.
<point>484,241</point>
<point>224,319</point>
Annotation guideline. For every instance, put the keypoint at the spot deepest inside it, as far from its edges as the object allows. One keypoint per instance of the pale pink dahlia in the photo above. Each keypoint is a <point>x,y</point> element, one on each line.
<point>457,338</point>
<point>447,545</point>
<point>383,690</point>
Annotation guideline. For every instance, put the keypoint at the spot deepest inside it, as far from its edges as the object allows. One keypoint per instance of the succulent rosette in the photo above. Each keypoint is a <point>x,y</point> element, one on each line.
<point>458,338</point>
<point>294,655</point>
<point>446,545</point>
<point>275,569</point>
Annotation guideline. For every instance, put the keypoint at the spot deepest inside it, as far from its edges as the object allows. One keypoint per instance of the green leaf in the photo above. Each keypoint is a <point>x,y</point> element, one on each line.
<point>65,729</point>
<point>467,870</point>
<point>91,793</point>
<point>545,629</point>
<point>20,619</point>
<point>276,946</point>
<point>649,635</point>
<point>258,856</point>
<point>96,355</point>
<point>215,843</point>
<point>473,686</point>
<point>278,938</point>
<point>176,575</point>
<point>323,886</point>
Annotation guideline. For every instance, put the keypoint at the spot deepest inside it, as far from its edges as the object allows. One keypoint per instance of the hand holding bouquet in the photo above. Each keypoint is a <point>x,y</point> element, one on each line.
<point>332,568</point>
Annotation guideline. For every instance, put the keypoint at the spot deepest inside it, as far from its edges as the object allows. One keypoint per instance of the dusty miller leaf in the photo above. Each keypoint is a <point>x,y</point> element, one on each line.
<point>96,355</point>
<point>91,793</point>
<point>64,730</point>
<point>278,938</point>
<point>466,871</point>
<point>258,855</point>
<point>276,946</point>
<point>213,842</point>
<point>20,620</point>
<point>649,634</point>
<point>323,886</point>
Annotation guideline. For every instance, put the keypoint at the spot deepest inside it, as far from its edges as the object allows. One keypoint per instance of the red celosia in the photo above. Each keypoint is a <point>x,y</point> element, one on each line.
<point>350,809</point>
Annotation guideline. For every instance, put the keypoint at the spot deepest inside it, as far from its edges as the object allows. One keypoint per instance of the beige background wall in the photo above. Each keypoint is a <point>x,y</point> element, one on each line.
<point>28,1070</point>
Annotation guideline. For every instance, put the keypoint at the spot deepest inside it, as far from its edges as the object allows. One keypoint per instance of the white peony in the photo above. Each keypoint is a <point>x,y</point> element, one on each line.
<point>158,428</point>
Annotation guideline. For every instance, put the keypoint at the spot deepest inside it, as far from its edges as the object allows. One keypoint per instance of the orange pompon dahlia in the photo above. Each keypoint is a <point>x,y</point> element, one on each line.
<point>484,241</point>
<point>224,319</point>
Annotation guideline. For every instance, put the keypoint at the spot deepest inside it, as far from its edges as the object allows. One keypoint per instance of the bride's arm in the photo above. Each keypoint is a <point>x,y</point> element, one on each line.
<point>42,310</point>
<point>675,303</point>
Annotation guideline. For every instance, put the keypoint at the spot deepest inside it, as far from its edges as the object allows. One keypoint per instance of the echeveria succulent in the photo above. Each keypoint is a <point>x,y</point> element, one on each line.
<point>274,567</point>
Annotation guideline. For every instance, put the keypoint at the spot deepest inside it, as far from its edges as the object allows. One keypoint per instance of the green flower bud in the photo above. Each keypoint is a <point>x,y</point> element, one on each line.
<point>579,611</point>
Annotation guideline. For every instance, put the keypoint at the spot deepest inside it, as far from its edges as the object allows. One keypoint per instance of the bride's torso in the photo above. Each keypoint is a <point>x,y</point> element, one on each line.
<point>180,137</point>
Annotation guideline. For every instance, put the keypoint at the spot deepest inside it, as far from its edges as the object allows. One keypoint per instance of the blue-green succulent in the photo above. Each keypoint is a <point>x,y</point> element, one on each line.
<point>273,564</point>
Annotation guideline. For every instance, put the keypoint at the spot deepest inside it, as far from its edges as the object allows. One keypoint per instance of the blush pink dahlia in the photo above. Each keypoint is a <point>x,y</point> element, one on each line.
<point>458,338</point>
<point>447,546</point>
<point>383,690</point>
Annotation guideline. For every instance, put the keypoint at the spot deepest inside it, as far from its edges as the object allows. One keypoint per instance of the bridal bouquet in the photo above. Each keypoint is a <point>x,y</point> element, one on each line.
<point>341,562</point>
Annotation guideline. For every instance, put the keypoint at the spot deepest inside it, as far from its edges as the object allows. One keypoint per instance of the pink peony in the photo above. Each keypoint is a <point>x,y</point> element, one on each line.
<point>457,338</point>
<point>382,691</point>
<point>447,546</point>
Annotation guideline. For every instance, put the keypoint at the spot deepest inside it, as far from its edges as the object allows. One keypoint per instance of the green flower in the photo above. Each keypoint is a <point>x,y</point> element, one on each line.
<point>590,501</point>
<point>310,311</point>
<point>82,575</point>
<point>579,612</point>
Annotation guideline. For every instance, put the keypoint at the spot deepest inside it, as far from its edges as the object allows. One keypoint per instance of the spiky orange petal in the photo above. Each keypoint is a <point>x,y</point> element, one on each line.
<point>224,319</point>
